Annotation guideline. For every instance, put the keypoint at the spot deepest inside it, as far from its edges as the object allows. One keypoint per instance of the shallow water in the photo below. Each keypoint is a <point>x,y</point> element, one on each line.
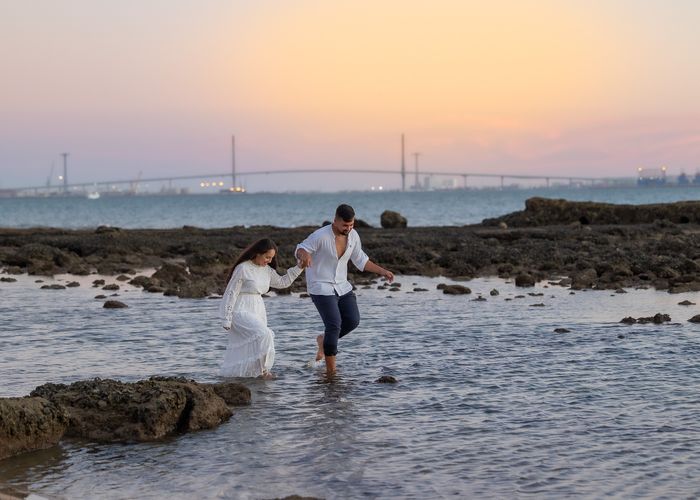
<point>491,403</point>
<point>422,208</point>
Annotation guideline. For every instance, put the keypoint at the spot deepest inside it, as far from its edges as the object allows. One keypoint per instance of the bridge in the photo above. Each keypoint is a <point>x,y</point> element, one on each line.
<point>65,188</point>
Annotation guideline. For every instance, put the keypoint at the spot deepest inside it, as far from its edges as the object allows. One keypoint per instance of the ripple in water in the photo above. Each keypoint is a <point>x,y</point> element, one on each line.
<point>490,401</point>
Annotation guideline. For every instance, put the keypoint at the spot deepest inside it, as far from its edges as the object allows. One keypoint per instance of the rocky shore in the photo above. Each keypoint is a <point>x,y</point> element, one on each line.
<point>578,244</point>
<point>111,411</point>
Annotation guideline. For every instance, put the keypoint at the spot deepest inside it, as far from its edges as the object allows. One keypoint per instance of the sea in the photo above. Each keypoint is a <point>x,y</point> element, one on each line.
<point>421,208</point>
<point>502,393</point>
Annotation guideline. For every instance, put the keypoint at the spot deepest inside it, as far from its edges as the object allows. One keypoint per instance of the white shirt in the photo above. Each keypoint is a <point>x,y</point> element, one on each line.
<point>328,274</point>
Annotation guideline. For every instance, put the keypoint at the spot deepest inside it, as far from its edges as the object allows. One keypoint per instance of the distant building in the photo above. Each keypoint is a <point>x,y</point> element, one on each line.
<point>8,193</point>
<point>683,179</point>
<point>651,176</point>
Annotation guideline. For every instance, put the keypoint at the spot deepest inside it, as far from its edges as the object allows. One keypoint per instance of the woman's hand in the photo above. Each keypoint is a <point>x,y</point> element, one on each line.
<point>304,258</point>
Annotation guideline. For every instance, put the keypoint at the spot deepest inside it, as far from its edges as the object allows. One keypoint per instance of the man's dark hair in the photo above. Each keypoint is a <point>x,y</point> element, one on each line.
<point>345,212</point>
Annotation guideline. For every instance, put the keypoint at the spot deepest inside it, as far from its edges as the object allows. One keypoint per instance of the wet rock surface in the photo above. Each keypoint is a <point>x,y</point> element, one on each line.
<point>29,423</point>
<point>615,247</point>
<point>107,410</point>
<point>111,411</point>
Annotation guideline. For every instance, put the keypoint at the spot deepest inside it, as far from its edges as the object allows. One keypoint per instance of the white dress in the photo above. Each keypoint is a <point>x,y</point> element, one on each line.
<point>251,344</point>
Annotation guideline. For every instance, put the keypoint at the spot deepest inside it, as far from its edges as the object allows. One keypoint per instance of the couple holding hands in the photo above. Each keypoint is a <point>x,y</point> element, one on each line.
<point>324,255</point>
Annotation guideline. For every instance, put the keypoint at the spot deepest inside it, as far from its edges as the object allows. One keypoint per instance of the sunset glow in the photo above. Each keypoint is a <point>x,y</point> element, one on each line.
<point>533,86</point>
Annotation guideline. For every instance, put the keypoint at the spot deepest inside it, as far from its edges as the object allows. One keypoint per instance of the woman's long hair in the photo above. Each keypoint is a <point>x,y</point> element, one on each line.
<point>252,251</point>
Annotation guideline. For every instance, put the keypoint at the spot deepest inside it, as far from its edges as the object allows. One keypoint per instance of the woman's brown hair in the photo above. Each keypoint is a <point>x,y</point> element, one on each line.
<point>252,251</point>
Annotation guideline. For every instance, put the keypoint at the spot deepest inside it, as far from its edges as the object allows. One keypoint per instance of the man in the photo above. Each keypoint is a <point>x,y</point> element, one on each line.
<point>325,254</point>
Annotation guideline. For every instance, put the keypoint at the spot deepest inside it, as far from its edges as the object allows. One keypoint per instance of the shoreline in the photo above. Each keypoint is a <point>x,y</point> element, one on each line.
<point>549,239</point>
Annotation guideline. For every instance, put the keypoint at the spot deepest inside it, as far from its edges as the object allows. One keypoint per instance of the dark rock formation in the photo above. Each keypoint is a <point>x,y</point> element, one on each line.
<point>233,393</point>
<point>195,263</point>
<point>108,410</point>
<point>657,319</point>
<point>392,220</point>
<point>454,289</point>
<point>113,304</point>
<point>524,280</point>
<point>548,212</point>
<point>30,423</point>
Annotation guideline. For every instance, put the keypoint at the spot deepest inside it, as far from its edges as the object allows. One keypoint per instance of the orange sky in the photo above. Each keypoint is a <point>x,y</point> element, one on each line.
<point>572,88</point>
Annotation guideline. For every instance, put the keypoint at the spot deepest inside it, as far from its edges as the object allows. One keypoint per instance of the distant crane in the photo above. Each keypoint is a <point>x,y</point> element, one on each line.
<point>48,179</point>
<point>135,184</point>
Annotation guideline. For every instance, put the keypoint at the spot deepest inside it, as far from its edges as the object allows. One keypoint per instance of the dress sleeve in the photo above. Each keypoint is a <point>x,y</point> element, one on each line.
<point>231,295</point>
<point>358,256</point>
<point>277,281</point>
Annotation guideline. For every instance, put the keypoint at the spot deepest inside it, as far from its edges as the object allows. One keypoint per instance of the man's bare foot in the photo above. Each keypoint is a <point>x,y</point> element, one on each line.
<point>319,343</point>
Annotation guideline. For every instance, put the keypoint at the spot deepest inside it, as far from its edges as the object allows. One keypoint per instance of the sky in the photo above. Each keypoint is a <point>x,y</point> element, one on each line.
<point>593,88</point>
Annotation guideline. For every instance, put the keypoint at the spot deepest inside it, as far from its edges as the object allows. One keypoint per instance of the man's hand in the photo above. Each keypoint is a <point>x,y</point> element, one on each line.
<point>304,258</point>
<point>388,275</point>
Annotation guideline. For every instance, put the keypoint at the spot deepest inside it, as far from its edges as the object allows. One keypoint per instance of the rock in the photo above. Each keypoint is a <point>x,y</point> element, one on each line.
<point>98,283</point>
<point>686,303</point>
<point>106,229</point>
<point>494,293</point>
<point>418,289</point>
<point>114,304</point>
<point>561,330</point>
<point>7,280</point>
<point>524,280</point>
<point>122,277</point>
<point>361,223</point>
<point>584,279</point>
<point>390,220</point>
<point>456,290</point>
<point>540,304</point>
<point>55,286</point>
<point>110,287</point>
<point>695,319</point>
<point>657,319</point>
<point>386,379</point>
<point>100,296</point>
<point>29,423</point>
<point>233,393</point>
<point>112,411</point>
<point>304,295</point>
<point>542,211</point>
<point>172,274</point>
<point>479,299</point>
<point>73,284</point>
<point>142,281</point>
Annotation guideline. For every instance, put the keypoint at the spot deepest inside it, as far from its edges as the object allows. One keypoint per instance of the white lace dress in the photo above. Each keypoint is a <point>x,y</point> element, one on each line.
<point>251,344</point>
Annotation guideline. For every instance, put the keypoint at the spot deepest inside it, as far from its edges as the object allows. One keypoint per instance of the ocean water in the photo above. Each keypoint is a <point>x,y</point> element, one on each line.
<point>429,208</point>
<point>490,403</point>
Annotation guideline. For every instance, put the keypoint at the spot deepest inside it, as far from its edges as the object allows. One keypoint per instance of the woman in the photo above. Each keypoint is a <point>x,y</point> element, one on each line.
<point>251,347</point>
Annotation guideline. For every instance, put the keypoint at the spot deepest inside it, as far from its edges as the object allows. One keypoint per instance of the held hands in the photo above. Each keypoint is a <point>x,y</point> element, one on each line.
<point>304,258</point>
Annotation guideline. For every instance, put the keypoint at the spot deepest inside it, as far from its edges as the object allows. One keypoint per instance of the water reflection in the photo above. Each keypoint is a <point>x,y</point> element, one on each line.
<point>490,401</point>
